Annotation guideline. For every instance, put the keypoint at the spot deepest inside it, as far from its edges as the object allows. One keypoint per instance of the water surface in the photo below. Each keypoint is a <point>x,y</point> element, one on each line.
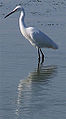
<point>26,91</point>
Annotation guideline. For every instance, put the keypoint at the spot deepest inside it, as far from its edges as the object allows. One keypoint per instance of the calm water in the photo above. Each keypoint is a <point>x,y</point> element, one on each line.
<point>27,92</point>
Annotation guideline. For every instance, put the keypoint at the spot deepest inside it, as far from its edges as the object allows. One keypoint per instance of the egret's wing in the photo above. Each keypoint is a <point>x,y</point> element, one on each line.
<point>40,39</point>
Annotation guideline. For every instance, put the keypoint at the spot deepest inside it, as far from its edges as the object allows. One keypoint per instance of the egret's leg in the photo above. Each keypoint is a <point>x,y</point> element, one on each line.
<point>42,56</point>
<point>38,55</point>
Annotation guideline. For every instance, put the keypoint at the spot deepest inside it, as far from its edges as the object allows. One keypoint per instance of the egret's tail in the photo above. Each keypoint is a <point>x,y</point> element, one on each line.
<point>55,46</point>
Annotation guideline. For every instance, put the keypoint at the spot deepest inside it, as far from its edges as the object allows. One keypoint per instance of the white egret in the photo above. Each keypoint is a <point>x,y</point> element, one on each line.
<point>35,36</point>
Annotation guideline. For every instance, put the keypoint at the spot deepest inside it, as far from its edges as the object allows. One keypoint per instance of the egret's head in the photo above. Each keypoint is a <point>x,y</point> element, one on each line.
<point>16,9</point>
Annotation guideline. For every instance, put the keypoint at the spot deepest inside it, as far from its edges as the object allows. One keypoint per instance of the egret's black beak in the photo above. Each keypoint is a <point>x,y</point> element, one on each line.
<point>9,13</point>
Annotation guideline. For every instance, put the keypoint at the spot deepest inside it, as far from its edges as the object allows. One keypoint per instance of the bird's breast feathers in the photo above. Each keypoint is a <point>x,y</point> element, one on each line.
<point>30,35</point>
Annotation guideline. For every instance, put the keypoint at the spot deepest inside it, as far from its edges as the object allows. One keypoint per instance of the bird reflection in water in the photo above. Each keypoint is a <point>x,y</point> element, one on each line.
<point>31,91</point>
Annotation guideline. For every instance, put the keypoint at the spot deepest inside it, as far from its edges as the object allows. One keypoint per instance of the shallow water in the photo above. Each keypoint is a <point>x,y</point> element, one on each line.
<point>26,91</point>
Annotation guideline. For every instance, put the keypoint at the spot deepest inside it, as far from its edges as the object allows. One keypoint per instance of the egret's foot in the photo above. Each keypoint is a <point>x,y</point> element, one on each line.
<point>38,65</point>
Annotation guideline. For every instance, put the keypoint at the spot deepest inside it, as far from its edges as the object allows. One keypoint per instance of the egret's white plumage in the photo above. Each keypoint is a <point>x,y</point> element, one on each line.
<point>35,36</point>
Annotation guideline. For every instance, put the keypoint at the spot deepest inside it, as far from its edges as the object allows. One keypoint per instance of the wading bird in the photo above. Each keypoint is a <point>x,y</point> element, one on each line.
<point>35,36</point>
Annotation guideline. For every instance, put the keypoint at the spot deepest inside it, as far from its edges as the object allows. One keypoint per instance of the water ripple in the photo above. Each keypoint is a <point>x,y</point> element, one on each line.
<point>37,81</point>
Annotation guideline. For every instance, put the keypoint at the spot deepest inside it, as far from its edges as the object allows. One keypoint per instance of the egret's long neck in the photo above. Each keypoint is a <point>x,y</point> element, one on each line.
<point>21,22</point>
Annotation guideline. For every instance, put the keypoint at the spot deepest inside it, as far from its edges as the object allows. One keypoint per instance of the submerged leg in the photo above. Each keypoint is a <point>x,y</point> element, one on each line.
<point>38,56</point>
<point>42,56</point>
